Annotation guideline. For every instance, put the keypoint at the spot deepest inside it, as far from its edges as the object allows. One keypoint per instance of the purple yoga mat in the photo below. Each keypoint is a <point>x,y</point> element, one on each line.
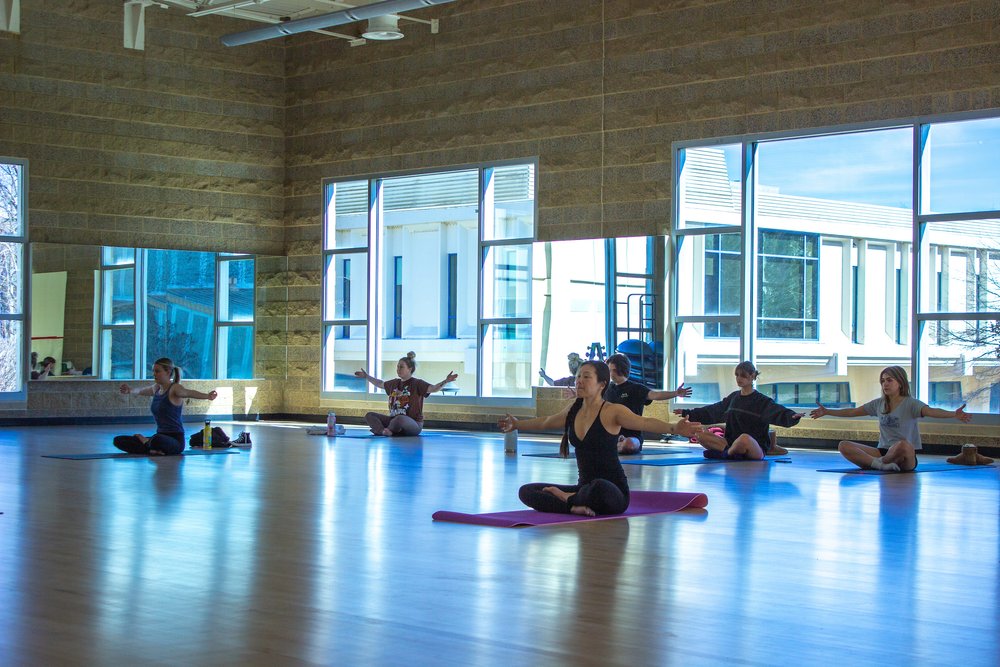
<point>641,502</point>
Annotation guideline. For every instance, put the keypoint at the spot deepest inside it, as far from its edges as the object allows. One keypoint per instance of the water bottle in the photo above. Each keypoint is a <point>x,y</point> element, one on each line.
<point>207,435</point>
<point>331,424</point>
<point>510,442</point>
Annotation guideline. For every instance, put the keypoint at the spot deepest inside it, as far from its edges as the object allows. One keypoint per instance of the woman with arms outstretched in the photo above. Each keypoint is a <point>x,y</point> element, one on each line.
<point>406,399</point>
<point>168,400</point>
<point>592,426</point>
<point>898,432</point>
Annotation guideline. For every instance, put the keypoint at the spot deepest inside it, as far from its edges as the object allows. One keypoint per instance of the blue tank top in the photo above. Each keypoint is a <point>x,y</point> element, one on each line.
<point>166,414</point>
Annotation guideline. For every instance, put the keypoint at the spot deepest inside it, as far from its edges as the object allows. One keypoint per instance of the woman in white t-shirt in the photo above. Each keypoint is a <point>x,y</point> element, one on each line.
<point>898,434</point>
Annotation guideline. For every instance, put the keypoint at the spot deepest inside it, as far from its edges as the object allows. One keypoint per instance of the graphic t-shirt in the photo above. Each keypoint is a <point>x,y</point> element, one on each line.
<point>900,424</point>
<point>632,395</point>
<point>407,398</point>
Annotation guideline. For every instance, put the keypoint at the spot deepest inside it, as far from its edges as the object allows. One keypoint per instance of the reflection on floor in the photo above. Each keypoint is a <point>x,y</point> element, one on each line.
<point>308,550</point>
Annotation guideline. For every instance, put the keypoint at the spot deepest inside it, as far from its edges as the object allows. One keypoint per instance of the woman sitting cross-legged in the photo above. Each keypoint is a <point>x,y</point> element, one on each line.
<point>592,426</point>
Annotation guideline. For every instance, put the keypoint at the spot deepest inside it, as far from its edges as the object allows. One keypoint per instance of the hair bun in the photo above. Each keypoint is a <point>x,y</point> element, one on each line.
<point>411,355</point>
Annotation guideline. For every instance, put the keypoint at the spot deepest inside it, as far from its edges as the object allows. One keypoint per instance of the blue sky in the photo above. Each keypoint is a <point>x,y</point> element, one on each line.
<point>876,167</point>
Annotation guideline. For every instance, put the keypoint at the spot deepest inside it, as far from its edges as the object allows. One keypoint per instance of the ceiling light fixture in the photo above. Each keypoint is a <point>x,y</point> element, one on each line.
<point>327,20</point>
<point>383,28</point>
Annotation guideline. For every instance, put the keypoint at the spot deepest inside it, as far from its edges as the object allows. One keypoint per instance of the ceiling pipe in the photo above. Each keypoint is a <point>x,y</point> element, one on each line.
<point>327,20</point>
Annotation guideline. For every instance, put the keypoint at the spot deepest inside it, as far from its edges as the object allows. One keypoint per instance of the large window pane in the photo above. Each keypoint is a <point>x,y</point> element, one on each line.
<point>345,291</point>
<point>510,197</point>
<point>568,302</point>
<point>11,193</point>
<point>344,353</point>
<point>236,352</point>
<point>119,297</point>
<point>236,300</point>
<point>507,360</point>
<point>963,159</point>
<point>11,371</point>
<point>710,186</point>
<point>117,256</point>
<point>118,351</point>
<point>708,278</point>
<point>961,267</point>
<point>960,363</point>
<point>788,296</point>
<point>705,365</point>
<point>180,310</point>
<point>506,281</point>
<point>11,278</point>
<point>346,215</point>
<point>429,276</point>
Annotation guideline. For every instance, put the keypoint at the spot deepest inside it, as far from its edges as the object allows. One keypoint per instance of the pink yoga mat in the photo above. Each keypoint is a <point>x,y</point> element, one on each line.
<point>641,502</point>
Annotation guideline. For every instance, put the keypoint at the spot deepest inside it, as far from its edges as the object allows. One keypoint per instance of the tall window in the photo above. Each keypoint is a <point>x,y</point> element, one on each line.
<point>788,279</point>
<point>452,296</point>
<point>196,308</point>
<point>442,269</point>
<point>824,250</point>
<point>13,239</point>
<point>722,282</point>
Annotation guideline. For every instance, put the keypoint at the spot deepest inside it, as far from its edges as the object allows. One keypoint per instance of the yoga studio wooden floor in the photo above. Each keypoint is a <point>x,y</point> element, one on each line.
<point>308,551</point>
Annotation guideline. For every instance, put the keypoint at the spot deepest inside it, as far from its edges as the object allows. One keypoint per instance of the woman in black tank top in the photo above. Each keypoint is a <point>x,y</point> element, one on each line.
<point>592,426</point>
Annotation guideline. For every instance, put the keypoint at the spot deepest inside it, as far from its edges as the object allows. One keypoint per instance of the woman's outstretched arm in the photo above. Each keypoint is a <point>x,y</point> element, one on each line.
<point>371,378</point>
<point>452,376</point>
<point>822,411</point>
<point>960,414</point>
<point>180,391</point>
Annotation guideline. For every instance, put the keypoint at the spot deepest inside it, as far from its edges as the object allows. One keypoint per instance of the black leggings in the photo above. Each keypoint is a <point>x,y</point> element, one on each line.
<point>170,444</point>
<point>600,495</point>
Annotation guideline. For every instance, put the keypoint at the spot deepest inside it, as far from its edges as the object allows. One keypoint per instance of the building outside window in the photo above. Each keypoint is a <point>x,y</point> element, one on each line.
<point>440,266</point>
<point>839,289</point>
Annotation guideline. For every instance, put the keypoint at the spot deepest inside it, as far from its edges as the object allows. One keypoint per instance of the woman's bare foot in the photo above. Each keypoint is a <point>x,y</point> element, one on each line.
<point>386,432</point>
<point>557,492</point>
<point>970,456</point>
<point>582,510</point>
<point>157,452</point>
<point>140,437</point>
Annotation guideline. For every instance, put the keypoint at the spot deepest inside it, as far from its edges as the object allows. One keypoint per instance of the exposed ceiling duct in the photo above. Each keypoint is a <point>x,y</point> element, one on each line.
<point>344,16</point>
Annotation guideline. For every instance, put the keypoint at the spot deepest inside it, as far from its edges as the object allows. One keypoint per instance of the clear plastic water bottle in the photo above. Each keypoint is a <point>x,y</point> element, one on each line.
<point>510,442</point>
<point>331,424</point>
<point>207,435</point>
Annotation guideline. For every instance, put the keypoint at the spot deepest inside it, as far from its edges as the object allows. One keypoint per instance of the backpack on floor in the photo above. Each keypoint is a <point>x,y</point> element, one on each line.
<point>219,438</point>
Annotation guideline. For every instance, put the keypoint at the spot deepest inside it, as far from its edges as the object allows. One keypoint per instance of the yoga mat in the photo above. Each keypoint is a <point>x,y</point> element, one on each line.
<point>922,467</point>
<point>123,455</point>
<point>353,433</point>
<point>644,452</point>
<point>641,502</point>
<point>693,460</point>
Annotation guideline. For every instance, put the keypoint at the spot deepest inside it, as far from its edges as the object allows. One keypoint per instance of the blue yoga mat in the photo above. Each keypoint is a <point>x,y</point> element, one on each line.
<point>123,455</point>
<point>922,467</point>
<point>694,460</point>
<point>644,452</point>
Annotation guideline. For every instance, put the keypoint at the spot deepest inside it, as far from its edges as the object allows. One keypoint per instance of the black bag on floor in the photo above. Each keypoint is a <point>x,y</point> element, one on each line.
<point>219,438</point>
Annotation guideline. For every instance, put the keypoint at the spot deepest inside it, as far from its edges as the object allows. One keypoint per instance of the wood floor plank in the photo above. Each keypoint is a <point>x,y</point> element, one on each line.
<point>305,550</point>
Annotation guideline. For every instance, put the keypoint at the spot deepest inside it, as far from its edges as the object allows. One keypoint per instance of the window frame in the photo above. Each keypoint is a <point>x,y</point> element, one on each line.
<point>376,278</point>
<point>140,325</point>
<point>910,318</point>
<point>24,315</point>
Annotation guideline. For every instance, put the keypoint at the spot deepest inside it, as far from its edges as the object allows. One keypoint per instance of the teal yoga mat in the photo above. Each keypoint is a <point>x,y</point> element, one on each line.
<point>644,452</point>
<point>695,460</point>
<point>123,455</point>
<point>922,467</point>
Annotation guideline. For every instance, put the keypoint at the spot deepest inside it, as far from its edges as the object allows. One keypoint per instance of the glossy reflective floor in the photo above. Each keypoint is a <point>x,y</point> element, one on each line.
<point>306,551</point>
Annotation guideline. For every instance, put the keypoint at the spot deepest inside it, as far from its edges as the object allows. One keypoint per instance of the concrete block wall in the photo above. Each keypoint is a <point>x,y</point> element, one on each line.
<point>192,145</point>
<point>599,90</point>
